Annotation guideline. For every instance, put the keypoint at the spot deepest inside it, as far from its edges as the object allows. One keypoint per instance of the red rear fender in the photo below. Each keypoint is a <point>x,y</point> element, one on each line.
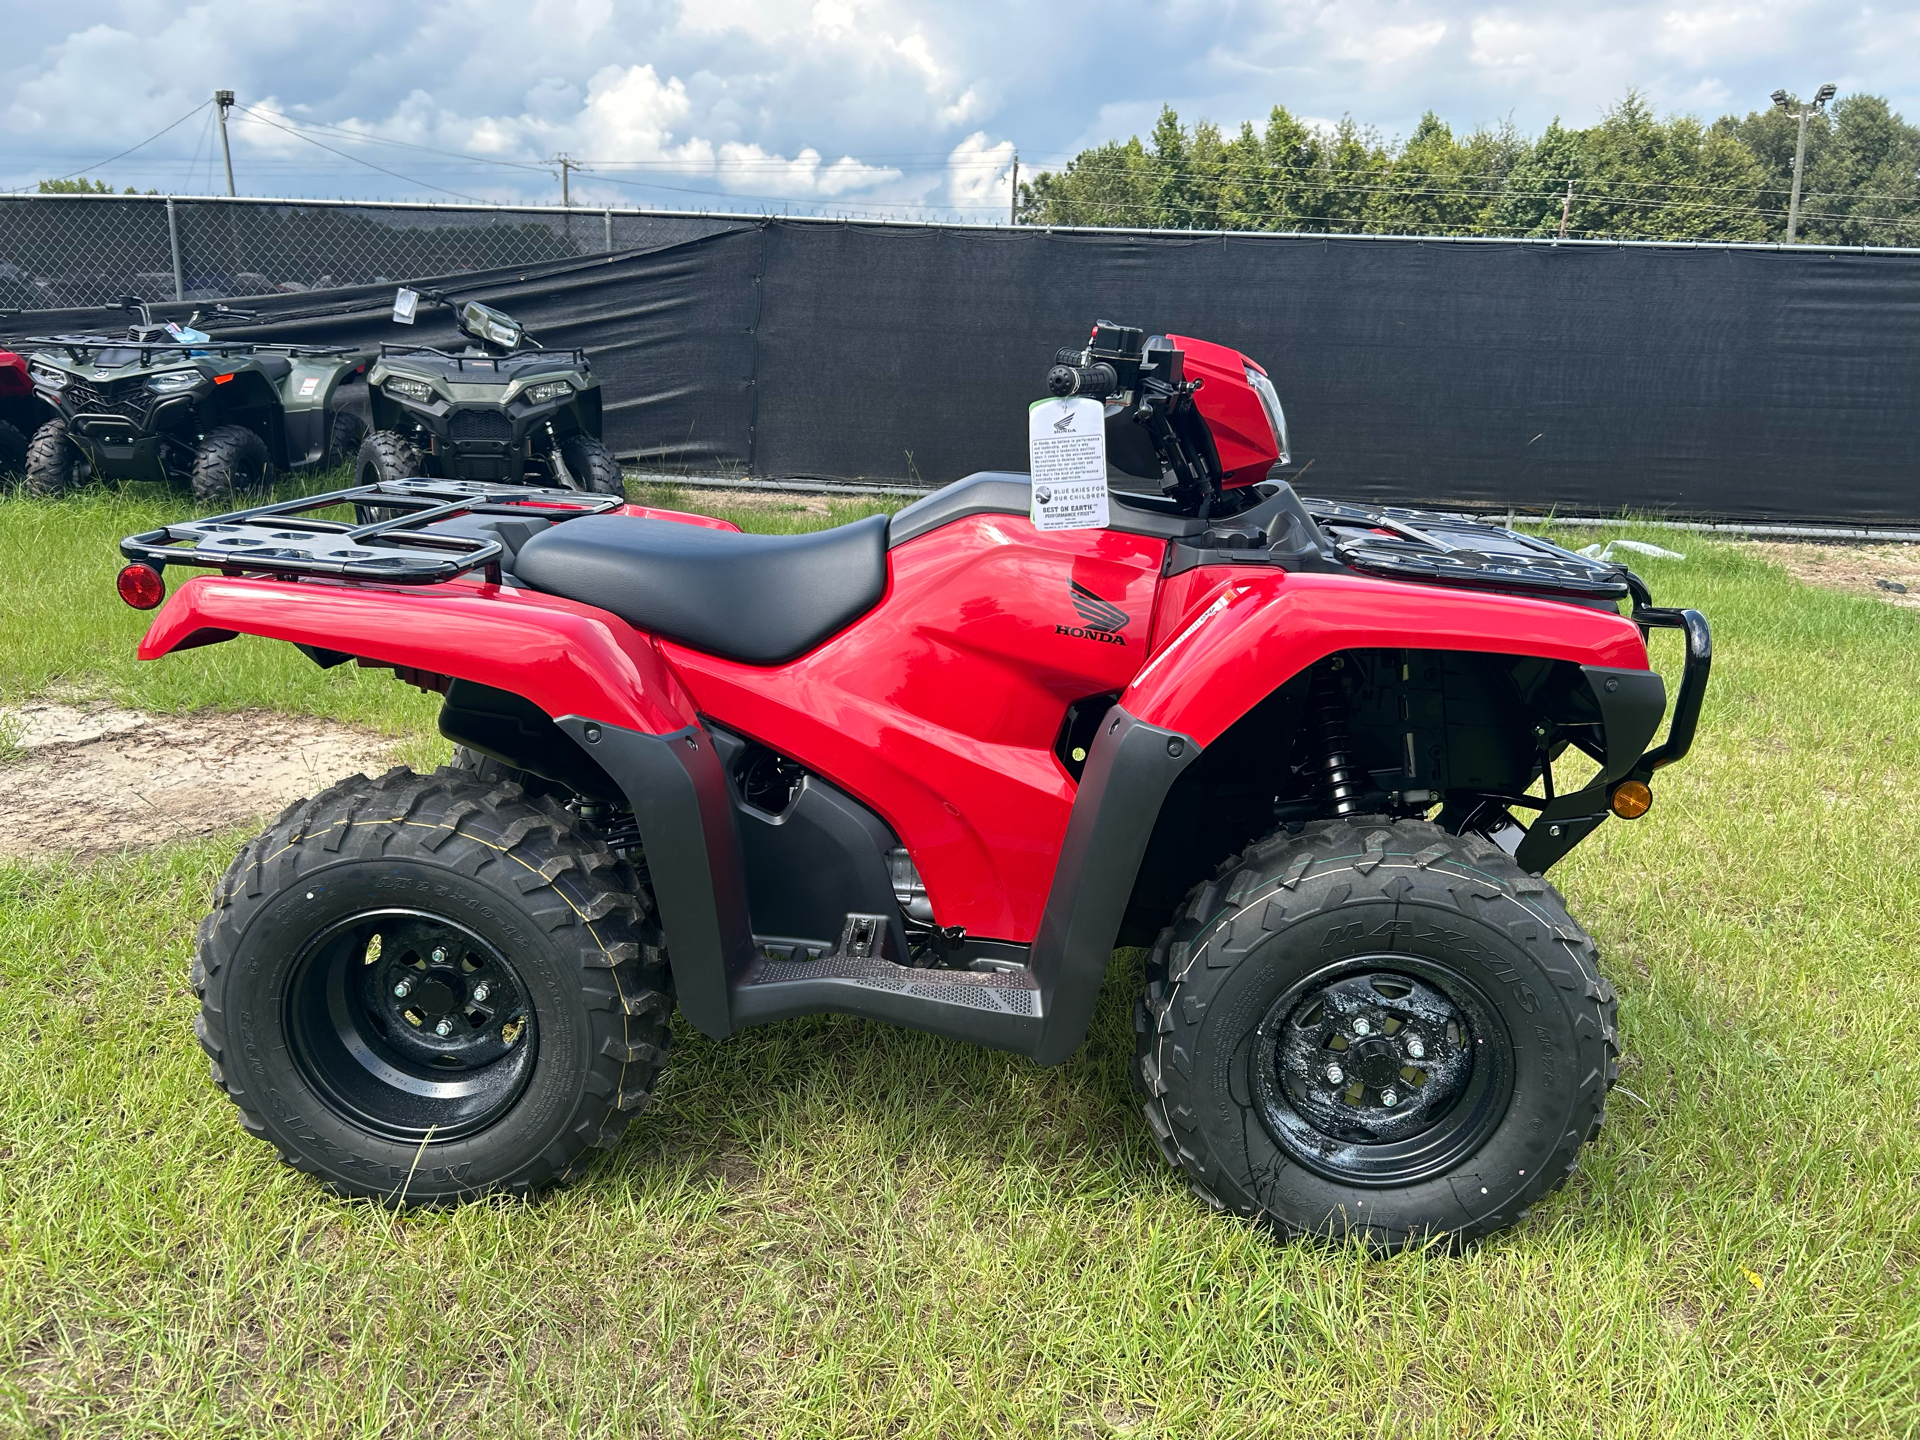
<point>1248,634</point>
<point>566,658</point>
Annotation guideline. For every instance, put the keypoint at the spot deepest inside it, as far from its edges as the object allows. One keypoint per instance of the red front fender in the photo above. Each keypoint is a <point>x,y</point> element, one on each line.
<point>566,658</point>
<point>1254,632</point>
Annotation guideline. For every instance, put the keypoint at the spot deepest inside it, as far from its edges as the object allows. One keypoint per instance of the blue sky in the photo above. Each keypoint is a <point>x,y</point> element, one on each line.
<point>839,106</point>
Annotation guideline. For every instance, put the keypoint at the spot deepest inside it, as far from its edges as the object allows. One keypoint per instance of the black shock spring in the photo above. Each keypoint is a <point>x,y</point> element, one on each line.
<point>1342,776</point>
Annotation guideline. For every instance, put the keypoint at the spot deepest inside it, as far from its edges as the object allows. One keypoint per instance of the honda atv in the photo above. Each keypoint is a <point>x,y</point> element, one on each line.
<point>21,412</point>
<point>173,404</point>
<point>932,770</point>
<point>503,410</point>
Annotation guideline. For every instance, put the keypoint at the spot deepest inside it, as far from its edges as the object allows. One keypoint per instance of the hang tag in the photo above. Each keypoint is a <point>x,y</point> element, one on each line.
<point>405,304</point>
<point>1067,453</point>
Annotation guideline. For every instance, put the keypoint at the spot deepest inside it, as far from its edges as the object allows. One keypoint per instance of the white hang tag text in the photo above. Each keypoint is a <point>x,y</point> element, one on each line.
<point>1067,453</point>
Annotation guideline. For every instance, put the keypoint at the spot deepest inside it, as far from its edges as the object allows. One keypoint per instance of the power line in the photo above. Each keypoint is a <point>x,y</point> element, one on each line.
<point>256,115</point>
<point>131,148</point>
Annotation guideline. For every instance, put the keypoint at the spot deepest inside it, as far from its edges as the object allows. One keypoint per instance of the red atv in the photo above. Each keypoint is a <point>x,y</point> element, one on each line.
<point>21,412</point>
<point>933,769</point>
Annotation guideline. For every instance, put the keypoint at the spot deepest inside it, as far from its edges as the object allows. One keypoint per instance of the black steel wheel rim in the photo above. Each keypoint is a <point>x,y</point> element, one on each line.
<point>410,1026</point>
<point>1382,1070</point>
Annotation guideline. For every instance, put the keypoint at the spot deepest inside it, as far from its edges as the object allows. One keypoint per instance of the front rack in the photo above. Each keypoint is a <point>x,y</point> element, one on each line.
<point>395,548</point>
<point>404,347</point>
<point>77,346</point>
<point>1403,544</point>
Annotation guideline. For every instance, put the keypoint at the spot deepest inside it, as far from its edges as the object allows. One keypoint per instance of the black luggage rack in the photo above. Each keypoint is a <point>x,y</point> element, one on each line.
<point>279,540</point>
<point>538,352</point>
<point>1403,544</point>
<point>78,346</point>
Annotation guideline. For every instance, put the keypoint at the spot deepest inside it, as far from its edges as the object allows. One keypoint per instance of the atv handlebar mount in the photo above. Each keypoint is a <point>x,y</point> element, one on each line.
<point>283,541</point>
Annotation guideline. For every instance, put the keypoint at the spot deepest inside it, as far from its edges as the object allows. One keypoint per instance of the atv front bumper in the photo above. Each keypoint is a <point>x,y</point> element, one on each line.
<point>1567,819</point>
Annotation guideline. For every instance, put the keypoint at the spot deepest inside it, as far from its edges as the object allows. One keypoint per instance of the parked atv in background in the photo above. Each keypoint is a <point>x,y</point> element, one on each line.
<point>504,410</point>
<point>932,769</point>
<point>21,413</point>
<point>173,404</point>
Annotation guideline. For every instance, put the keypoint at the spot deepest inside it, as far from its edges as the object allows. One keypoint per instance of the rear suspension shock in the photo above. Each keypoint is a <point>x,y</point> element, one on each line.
<point>1343,778</point>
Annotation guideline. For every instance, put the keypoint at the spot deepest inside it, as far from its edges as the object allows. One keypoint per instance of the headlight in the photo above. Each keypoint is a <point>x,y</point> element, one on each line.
<point>548,390</point>
<point>169,381</point>
<point>44,375</point>
<point>409,389</point>
<point>1276,417</point>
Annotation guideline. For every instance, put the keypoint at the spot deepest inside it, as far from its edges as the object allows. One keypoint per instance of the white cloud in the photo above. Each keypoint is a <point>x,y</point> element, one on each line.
<point>980,177</point>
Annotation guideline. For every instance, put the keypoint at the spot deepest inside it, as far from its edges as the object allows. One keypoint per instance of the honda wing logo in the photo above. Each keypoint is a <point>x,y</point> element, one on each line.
<point>1065,422</point>
<point>1101,620</point>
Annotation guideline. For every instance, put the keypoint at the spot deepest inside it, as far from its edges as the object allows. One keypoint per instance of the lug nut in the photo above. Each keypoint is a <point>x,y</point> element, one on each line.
<point>403,989</point>
<point>480,992</point>
<point>1389,1097</point>
<point>1336,1074</point>
<point>1416,1048</point>
<point>444,1028</point>
<point>1361,1027</point>
<point>439,957</point>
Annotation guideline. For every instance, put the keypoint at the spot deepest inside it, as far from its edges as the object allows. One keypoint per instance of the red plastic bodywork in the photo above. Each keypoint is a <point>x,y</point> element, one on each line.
<point>940,707</point>
<point>14,380</point>
<point>1241,431</point>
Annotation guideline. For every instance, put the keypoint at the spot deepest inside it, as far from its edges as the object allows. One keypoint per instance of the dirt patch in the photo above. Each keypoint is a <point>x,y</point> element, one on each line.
<point>1886,572</point>
<point>91,779</point>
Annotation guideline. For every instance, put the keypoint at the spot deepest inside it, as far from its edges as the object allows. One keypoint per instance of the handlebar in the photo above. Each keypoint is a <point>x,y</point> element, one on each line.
<point>1098,379</point>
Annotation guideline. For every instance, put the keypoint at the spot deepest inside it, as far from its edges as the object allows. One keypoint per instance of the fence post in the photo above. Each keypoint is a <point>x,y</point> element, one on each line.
<point>607,215</point>
<point>173,242</point>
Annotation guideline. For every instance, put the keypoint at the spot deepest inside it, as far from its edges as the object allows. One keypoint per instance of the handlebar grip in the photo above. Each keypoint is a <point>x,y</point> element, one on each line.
<point>1098,380</point>
<point>1067,355</point>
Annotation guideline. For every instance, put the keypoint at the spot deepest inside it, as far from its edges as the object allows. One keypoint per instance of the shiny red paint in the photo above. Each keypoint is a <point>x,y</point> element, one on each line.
<point>14,380</point>
<point>1241,431</point>
<point>940,708</point>
<point>567,658</point>
<point>684,517</point>
<point>1252,630</point>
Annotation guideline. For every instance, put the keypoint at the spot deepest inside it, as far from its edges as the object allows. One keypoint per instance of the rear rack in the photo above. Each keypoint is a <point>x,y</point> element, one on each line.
<point>396,549</point>
<point>1449,550</point>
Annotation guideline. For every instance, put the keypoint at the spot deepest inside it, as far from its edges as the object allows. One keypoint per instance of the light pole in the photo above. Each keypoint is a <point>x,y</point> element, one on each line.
<point>1785,102</point>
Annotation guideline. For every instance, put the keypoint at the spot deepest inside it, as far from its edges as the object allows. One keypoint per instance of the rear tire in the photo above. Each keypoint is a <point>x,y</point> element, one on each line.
<point>592,465</point>
<point>54,463</point>
<point>489,771</point>
<point>442,884</point>
<point>1474,1037</point>
<point>231,464</point>
<point>13,450</point>
<point>344,436</point>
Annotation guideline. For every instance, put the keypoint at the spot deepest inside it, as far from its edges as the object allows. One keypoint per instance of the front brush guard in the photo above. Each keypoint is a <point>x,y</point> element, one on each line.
<point>1568,819</point>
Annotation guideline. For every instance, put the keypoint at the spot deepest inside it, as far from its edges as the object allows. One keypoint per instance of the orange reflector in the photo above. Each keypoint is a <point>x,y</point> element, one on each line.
<point>222,379</point>
<point>1631,799</point>
<point>141,586</point>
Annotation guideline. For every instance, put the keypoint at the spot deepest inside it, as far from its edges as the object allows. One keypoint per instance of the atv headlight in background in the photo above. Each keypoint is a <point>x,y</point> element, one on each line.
<point>548,390</point>
<point>409,389</point>
<point>169,381</point>
<point>1276,417</point>
<point>49,377</point>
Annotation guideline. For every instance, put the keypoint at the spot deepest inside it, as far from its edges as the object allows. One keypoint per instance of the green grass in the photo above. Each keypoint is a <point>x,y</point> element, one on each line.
<point>833,1227</point>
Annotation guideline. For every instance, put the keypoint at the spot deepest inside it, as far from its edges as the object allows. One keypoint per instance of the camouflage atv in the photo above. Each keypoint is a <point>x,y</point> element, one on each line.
<point>503,410</point>
<point>171,403</point>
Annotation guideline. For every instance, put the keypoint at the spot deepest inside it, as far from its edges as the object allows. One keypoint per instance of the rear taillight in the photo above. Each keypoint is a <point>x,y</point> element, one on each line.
<point>141,586</point>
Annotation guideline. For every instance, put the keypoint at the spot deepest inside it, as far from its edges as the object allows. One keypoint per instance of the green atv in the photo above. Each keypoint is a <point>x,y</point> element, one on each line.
<point>503,410</point>
<point>171,403</point>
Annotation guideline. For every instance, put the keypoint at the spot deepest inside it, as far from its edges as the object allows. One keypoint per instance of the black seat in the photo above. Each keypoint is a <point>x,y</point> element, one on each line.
<point>762,599</point>
<point>275,367</point>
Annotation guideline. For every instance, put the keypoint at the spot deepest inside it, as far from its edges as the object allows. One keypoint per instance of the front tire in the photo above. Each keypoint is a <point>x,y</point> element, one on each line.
<point>231,464</point>
<point>344,437</point>
<point>54,463</point>
<point>1375,1030</point>
<point>386,455</point>
<point>428,988</point>
<point>592,465</point>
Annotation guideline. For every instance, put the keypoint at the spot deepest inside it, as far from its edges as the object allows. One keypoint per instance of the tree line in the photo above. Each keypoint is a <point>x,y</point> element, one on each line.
<point>1632,176</point>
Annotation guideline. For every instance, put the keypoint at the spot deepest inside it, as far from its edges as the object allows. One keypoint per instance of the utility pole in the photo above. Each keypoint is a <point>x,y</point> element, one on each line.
<point>567,167</point>
<point>1805,112</point>
<point>1566,209</point>
<point>1013,205</point>
<point>224,99</point>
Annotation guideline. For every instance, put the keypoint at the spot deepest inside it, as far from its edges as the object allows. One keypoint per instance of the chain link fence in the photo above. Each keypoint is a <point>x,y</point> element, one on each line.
<point>62,251</point>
